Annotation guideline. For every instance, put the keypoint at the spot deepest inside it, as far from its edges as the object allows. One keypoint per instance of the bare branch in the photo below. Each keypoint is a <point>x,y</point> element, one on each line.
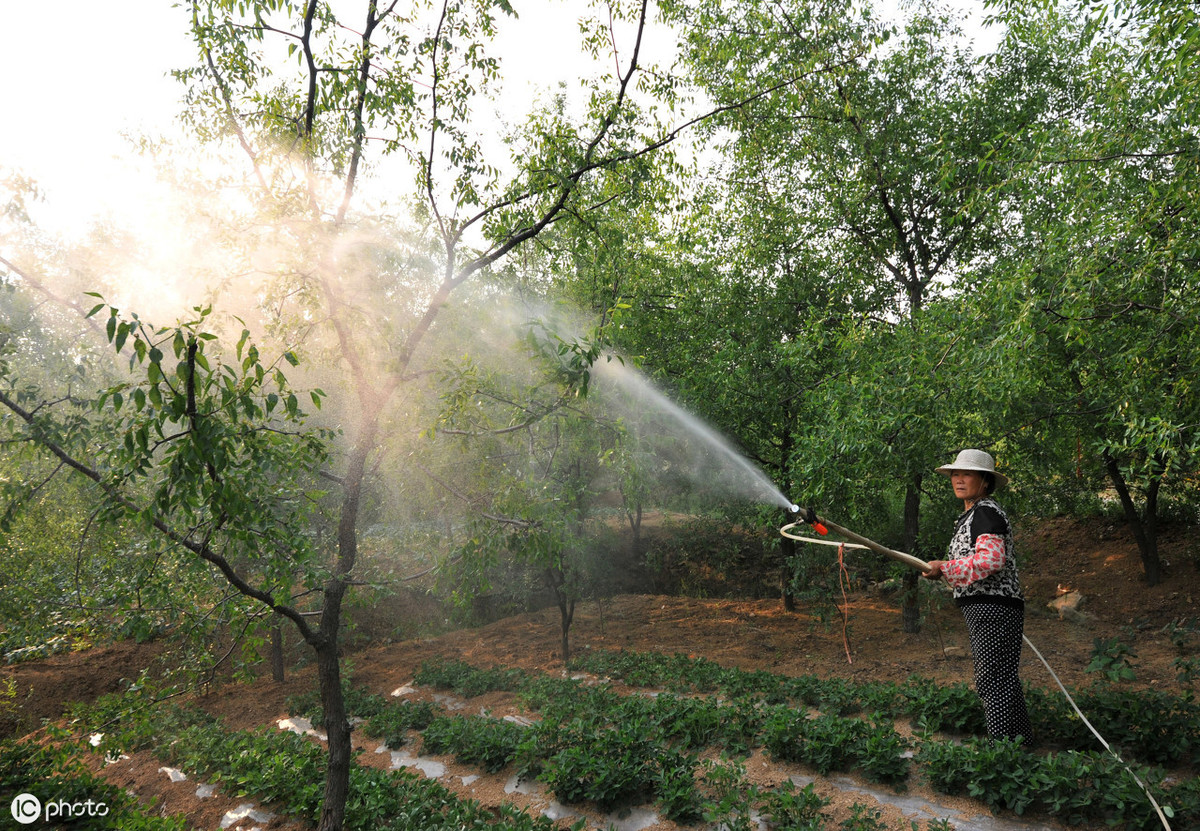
<point>360,103</point>
<point>513,521</point>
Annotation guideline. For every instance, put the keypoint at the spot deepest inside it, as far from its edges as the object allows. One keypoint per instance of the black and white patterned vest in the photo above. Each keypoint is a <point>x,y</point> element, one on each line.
<point>1004,587</point>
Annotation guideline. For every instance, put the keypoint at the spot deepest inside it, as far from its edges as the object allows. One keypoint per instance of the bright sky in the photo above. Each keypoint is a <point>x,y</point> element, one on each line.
<point>79,78</point>
<point>78,74</point>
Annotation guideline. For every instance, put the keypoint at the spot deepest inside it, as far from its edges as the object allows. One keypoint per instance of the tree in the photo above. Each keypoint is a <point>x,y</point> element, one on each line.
<point>880,169</point>
<point>1103,266</point>
<point>303,95</point>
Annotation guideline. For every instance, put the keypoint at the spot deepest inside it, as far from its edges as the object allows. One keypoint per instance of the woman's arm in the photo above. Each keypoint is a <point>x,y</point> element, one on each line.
<point>988,558</point>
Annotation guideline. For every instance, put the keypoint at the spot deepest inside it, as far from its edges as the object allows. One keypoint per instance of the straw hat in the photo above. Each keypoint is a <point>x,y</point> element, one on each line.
<point>974,460</point>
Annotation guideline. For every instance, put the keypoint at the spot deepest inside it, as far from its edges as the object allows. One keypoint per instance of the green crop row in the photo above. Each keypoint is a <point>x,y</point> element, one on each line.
<point>1152,726</point>
<point>1079,788</point>
<point>594,744</point>
<point>288,770</point>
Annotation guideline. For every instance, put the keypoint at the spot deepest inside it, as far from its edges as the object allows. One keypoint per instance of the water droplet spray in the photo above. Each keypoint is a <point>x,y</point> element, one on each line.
<point>713,455</point>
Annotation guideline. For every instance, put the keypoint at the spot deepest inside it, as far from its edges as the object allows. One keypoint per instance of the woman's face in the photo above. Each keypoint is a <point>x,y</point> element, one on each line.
<point>968,484</point>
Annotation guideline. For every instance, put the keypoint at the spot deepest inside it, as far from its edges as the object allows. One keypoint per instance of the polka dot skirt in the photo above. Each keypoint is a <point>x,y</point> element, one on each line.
<point>995,632</point>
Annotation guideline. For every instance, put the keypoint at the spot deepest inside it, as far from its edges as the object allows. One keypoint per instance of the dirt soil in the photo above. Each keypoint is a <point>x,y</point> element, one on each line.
<point>1098,559</point>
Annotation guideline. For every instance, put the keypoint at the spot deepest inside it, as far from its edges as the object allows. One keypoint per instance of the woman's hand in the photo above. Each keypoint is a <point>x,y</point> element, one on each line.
<point>935,570</point>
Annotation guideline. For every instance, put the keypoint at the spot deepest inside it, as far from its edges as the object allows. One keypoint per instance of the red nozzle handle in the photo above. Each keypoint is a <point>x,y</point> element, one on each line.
<point>810,516</point>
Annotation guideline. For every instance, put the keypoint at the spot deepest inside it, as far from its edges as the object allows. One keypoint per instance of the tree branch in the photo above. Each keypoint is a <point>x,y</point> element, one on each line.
<point>227,101</point>
<point>200,549</point>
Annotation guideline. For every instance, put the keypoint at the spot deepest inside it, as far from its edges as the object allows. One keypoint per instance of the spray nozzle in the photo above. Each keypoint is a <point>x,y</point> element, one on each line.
<point>810,516</point>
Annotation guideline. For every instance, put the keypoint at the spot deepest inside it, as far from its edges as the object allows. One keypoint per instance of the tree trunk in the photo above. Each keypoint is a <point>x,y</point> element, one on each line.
<point>910,615</point>
<point>566,610</point>
<point>327,642</point>
<point>337,727</point>
<point>787,548</point>
<point>1145,529</point>
<point>557,581</point>
<point>277,673</point>
<point>634,518</point>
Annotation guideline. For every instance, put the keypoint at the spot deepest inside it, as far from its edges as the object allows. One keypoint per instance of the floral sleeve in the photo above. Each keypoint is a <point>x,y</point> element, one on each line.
<point>988,558</point>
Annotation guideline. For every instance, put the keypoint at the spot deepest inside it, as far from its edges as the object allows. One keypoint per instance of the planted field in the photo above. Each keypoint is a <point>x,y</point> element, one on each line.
<point>685,713</point>
<point>640,739</point>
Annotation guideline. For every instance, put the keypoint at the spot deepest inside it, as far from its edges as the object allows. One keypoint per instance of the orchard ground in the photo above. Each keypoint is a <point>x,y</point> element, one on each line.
<point>1097,558</point>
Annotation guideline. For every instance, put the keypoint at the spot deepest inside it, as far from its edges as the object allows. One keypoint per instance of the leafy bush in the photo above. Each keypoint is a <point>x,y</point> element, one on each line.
<point>469,681</point>
<point>392,723</point>
<point>677,792</point>
<point>792,809</point>
<point>1151,725</point>
<point>832,743</point>
<point>1052,719</point>
<point>130,721</point>
<point>1063,787</point>
<point>610,768</point>
<point>1091,788</point>
<point>863,818</point>
<point>729,799</point>
<point>954,707</point>
<point>1110,657</point>
<point>489,743</point>
<point>998,773</point>
<point>359,702</point>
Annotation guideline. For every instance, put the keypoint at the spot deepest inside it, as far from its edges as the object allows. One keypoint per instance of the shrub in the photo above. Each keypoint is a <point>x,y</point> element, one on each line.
<point>359,701</point>
<point>469,681</point>
<point>832,743</point>
<point>1110,657</point>
<point>954,708</point>
<point>609,768</point>
<point>392,723</point>
<point>1000,773</point>
<point>792,809</point>
<point>1154,726</point>
<point>489,743</point>
<point>676,787</point>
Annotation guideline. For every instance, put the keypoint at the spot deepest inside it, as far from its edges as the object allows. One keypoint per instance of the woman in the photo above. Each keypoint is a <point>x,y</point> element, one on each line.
<point>981,569</point>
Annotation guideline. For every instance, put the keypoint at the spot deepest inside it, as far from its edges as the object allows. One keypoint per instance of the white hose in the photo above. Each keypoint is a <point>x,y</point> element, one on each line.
<point>1096,733</point>
<point>819,541</point>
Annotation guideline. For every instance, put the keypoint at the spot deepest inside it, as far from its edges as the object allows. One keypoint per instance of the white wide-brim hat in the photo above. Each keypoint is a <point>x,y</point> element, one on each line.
<point>974,460</point>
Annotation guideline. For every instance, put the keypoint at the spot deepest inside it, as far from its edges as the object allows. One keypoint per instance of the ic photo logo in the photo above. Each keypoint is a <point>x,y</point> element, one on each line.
<point>26,808</point>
